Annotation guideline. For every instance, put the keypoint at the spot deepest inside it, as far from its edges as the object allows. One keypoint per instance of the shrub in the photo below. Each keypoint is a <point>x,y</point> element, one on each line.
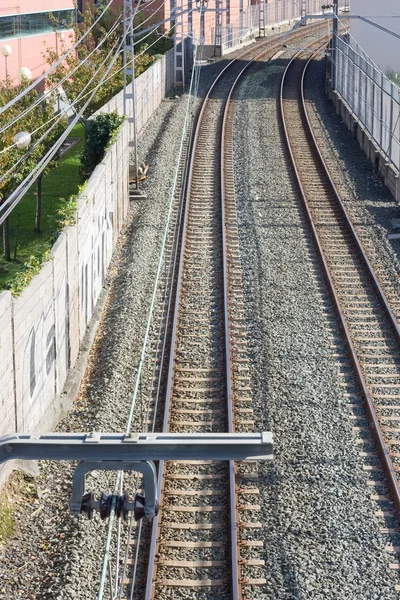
<point>100,133</point>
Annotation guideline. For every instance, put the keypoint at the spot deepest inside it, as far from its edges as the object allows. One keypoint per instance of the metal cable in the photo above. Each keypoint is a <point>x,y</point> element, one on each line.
<point>192,94</point>
<point>16,196</point>
<point>56,64</point>
<point>48,92</point>
<point>58,119</point>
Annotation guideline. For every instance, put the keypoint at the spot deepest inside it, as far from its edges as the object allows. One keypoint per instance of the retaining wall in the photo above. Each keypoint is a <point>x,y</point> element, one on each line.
<point>42,330</point>
<point>379,161</point>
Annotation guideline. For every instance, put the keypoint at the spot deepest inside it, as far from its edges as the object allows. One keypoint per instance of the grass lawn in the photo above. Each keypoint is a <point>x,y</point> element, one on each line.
<point>60,183</point>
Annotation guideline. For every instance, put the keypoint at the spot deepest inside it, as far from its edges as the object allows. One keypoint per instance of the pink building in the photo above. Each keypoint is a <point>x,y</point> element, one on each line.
<point>26,26</point>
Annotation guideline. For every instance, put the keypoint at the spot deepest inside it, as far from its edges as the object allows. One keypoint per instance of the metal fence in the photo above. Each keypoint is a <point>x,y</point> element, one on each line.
<point>244,27</point>
<point>247,23</point>
<point>372,97</point>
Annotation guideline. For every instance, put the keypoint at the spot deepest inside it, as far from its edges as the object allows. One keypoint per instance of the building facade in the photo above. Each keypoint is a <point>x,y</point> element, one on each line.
<point>27,26</point>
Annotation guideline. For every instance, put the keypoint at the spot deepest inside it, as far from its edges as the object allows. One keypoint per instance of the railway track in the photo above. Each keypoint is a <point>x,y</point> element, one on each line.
<point>205,539</point>
<point>367,320</point>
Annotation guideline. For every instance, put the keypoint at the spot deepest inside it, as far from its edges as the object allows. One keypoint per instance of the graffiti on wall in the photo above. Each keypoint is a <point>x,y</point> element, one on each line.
<point>95,257</point>
<point>39,357</point>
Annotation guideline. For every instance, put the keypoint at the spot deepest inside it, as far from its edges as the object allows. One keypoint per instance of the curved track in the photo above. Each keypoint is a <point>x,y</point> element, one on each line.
<point>370,329</point>
<point>208,384</point>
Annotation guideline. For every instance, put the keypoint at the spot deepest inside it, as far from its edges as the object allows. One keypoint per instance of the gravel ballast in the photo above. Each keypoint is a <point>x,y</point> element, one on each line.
<point>371,206</point>
<point>52,555</point>
<point>321,535</point>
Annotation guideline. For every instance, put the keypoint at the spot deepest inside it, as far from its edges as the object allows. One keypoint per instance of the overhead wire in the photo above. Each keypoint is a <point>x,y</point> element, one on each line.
<point>9,204</point>
<point>51,90</point>
<point>58,118</point>
<point>67,76</point>
<point>192,98</point>
<point>67,109</point>
<point>57,63</point>
<point>118,484</point>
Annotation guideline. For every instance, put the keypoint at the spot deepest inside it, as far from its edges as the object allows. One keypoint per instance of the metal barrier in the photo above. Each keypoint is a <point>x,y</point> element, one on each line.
<point>271,13</point>
<point>371,96</point>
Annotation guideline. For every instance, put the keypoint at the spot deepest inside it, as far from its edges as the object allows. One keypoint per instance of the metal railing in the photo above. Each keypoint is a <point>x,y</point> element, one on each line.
<point>268,14</point>
<point>373,98</point>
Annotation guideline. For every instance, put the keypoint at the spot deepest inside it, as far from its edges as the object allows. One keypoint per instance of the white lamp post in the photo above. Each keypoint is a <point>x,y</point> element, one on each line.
<point>22,139</point>
<point>23,73</point>
<point>6,50</point>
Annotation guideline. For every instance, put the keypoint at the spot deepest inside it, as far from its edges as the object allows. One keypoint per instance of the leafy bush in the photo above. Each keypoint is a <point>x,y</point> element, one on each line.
<point>31,267</point>
<point>65,215</point>
<point>100,133</point>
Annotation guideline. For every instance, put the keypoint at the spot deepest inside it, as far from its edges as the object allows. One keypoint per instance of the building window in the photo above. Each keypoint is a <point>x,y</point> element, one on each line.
<point>12,26</point>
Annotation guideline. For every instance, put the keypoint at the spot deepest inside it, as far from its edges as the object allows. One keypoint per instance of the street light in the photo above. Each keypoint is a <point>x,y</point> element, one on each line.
<point>22,139</point>
<point>24,73</point>
<point>6,50</point>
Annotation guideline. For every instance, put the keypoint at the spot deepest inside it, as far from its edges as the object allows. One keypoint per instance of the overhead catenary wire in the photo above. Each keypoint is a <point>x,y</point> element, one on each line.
<point>68,75</point>
<point>188,115</point>
<point>57,63</point>
<point>9,204</point>
<point>58,119</point>
<point>51,90</point>
<point>80,96</point>
<point>193,95</point>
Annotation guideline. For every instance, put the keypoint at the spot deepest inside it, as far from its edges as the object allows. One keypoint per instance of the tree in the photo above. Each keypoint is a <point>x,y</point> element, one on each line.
<point>95,66</point>
<point>36,119</point>
<point>100,133</point>
<point>47,116</point>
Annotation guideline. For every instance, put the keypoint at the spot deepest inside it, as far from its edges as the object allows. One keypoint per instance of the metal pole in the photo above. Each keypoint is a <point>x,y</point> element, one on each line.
<point>261,25</point>
<point>391,132</point>
<point>179,48</point>
<point>218,26</point>
<point>334,42</point>
<point>129,71</point>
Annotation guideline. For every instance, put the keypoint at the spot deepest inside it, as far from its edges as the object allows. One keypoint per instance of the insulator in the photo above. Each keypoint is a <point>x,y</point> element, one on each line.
<point>121,508</point>
<point>105,505</point>
<point>87,505</point>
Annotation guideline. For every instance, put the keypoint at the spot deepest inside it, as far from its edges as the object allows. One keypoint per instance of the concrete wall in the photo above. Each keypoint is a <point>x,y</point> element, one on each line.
<point>41,331</point>
<point>151,88</point>
<point>370,106</point>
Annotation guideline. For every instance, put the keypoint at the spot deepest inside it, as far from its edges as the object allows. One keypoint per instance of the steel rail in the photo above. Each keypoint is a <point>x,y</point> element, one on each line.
<point>382,447</point>
<point>235,555</point>
<point>153,542</point>
<point>269,45</point>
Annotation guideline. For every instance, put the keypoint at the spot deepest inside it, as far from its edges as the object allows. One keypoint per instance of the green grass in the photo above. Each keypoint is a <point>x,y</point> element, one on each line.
<point>60,183</point>
<point>6,522</point>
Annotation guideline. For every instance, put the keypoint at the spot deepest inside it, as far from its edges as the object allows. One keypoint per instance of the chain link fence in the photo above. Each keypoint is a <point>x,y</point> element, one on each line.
<point>372,97</point>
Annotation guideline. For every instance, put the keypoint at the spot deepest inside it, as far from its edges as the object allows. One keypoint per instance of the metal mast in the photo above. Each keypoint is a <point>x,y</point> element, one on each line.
<point>335,30</point>
<point>129,73</point>
<point>261,25</point>
<point>179,49</point>
<point>218,24</point>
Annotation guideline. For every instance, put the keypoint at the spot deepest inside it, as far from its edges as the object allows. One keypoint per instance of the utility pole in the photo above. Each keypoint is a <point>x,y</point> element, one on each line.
<point>179,48</point>
<point>261,25</point>
<point>335,30</point>
<point>218,26</point>
<point>129,72</point>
